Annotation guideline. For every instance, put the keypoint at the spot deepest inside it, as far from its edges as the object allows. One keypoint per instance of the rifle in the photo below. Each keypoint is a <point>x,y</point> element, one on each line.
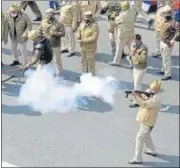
<point>127,92</point>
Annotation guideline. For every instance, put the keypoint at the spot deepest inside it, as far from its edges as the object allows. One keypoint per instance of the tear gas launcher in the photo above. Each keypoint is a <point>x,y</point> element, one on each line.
<point>127,92</point>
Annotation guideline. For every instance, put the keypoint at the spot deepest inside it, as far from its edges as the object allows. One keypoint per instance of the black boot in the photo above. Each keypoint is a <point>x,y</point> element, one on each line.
<point>71,54</point>
<point>113,64</point>
<point>133,105</point>
<point>38,19</point>
<point>166,78</point>
<point>64,51</point>
<point>14,63</point>
<point>160,73</point>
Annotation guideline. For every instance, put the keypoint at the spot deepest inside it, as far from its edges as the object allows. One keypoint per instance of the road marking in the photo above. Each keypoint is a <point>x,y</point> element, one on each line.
<point>5,164</point>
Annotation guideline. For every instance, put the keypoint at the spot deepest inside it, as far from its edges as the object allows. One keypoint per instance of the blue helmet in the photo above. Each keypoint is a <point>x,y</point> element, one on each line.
<point>177,15</point>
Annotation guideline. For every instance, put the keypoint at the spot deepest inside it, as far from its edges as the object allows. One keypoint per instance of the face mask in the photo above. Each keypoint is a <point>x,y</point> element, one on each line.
<point>138,44</point>
<point>13,14</point>
<point>87,21</point>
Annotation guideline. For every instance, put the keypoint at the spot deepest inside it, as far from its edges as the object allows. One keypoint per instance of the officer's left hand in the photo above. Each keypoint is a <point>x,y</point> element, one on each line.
<point>79,41</point>
<point>172,42</point>
<point>24,36</point>
<point>52,33</point>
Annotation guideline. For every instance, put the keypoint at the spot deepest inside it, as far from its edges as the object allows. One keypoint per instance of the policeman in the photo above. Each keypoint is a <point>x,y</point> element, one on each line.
<point>146,117</point>
<point>139,53</point>
<point>2,29</point>
<point>93,6</point>
<point>69,16</point>
<point>87,35</point>
<point>42,52</point>
<point>166,8</point>
<point>34,8</point>
<point>169,34</point>
<point>17,25</point>
<point>125,32</point>
<point>138,5</point>
<point>113,8</point>
<point>53,30</point>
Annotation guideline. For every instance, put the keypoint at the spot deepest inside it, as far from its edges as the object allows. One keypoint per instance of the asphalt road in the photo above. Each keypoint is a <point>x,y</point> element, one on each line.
<point>101,135</point>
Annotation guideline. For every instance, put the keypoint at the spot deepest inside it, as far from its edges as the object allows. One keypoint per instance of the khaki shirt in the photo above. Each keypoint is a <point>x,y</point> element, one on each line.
<point>69,14</point>
<point>22,25</point>
<point>148,111</point>
<point>93,6</point>
<point>56,28</point>
<point>125,22</point>
<point>159,18</point>
<point>89,35</point>
<point>2,25</point>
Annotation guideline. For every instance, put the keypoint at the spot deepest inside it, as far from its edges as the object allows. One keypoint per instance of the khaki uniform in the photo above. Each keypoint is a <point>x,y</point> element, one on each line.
<point>125,33</point>
<point>139,62</point>
<point>33,6</point>
<point>159,21</point>
<point>138,6</point>
<point>113,11</point>
<point>93,6</point>
<point>21,26</point>
<point>147,117</point>
<point>2,26</point>
<point>55,39</point>
<point>165,50</point>
<point>69,18</point>
<point>89,35</point>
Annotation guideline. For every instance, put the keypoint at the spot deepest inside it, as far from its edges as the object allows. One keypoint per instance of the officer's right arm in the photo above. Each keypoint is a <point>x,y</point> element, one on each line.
<point>61,31</point>
<point>119,19</point>
<point>78,34</point>
<point>75,14</point>
<point>6,29</point>
<point>149,103</point>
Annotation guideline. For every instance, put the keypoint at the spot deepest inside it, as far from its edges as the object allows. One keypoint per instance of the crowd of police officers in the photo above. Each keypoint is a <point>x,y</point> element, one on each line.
<point>78,23</point>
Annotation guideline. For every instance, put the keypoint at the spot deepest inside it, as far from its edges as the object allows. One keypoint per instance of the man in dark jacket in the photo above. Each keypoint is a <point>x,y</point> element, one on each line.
<point>42,52</point>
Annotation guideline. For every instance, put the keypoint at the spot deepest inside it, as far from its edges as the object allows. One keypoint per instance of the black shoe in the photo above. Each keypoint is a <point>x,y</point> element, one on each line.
<point>71,54</point>
<point>150,23</point>
<point>38,19</point>
<point>150,153</point>
<point>156,55</point>
<point>123,55</point>
<point>134,162</point>
<point>133,105</point>
<point>160,73</point>
<point>166,78</point>
<point>14,63</point>
<point>113,64</point>
<point>64,51</point>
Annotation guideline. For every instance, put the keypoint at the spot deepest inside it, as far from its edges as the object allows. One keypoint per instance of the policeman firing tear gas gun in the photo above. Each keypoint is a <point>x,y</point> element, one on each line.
<point>147,94</point>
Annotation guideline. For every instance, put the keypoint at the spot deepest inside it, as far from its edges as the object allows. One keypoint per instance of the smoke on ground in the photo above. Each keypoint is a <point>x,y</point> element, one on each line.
<point>44,93</point>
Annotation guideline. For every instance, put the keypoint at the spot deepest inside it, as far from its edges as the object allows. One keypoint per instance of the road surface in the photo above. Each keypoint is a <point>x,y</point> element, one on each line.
<point>100,135</point>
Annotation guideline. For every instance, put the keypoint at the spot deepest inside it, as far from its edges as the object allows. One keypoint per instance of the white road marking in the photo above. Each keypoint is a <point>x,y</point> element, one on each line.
<point>5,164</point>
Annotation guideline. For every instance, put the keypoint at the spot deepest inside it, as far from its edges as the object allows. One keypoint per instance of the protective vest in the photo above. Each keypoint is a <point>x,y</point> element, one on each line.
<point>43,51</point>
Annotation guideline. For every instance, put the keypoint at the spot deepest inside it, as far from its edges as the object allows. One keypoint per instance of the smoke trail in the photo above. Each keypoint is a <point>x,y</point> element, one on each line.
<point>44,93</point>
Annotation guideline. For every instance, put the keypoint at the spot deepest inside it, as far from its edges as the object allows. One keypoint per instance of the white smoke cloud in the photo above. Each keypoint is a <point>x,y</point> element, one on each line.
<point>44,93</point>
